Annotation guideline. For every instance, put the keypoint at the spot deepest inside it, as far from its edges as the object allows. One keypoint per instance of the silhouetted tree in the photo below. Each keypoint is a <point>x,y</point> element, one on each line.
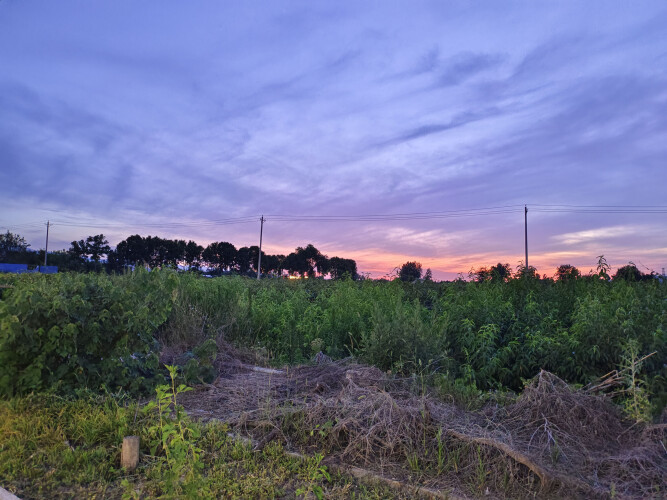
<point>500,272</point>
<point>10,245</point>
<point>294,264</point>
<point>315,261</point>
<point>220,254</point>
<point>97,246</point>
<point>523,272</point>
<point>481,274</point>
<point>410,271</point>
<point>193,254</point>
<point>246,260</point>
<point>339,268</point>
<point>90,249</point>
<point>272,263</point>
<point>173,252</point>
<point>306,261</point>
<point>629,272</point>
<point>131,251</point>
<point>566,272</point>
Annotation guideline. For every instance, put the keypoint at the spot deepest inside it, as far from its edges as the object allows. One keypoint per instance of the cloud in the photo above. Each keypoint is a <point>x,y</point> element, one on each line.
<point>464,66</point>
<point>597,235</point>
<point>332,109</point>
<point>459,120</point>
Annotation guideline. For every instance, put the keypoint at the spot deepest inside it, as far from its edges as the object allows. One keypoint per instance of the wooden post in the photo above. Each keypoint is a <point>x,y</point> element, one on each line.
<point>129,456</point>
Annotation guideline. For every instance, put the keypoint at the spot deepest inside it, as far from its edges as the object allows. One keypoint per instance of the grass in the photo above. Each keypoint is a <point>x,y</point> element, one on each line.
<point>52,447</point>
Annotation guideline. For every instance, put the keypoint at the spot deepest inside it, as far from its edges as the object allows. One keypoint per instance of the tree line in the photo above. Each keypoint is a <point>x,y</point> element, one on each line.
<point>412,271</point>
<point>95,254</point>
<point>221,257</point>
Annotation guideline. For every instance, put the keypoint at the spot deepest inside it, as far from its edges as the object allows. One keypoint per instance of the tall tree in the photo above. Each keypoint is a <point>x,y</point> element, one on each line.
<point>220,254</point>
<point>629,272</point>
<point>246,259</point>
<point>339,268</point>
<point>13,248</point>
<point>192,254</point>
<point>10,242</point>
<point>306,261</point>
<point>132,251</point>
<point>410,271</point>
<point>97,246</point>
<point>174,252</point>
<point>566,272</point>
<point>316,262</point>
<point>93,248</point>
<point>500,272</point>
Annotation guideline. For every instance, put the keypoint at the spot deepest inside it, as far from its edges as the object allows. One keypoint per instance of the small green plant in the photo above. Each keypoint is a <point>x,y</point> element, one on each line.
<point>413,461</point>
<point>603,268</point>
<point>480,470</point>
<point>442,452</point>
<point>314,473</point>
<point>322,430</point>
<point>316,345</point>
<point>636,404</point>
<point>173,434</point>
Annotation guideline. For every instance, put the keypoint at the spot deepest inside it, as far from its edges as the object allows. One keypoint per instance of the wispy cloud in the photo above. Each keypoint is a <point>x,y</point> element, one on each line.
<point>599,234</point>
<point>335,108</point>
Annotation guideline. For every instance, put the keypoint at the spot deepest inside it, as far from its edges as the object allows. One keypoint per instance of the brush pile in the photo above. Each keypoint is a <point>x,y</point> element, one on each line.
<point>552,441</point>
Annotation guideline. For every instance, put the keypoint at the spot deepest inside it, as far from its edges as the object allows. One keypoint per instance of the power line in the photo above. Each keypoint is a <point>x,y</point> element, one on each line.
<point>410,216</point>
<point>399,216</point>
<point>601,209</point>
<point>598,206</point>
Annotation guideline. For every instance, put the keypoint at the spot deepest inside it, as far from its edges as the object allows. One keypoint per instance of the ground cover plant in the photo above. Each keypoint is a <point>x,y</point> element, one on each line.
<point>475,388</point>
<point>55,447</point>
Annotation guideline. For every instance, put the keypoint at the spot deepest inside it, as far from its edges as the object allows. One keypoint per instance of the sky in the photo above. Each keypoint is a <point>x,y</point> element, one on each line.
<point>190,120</point>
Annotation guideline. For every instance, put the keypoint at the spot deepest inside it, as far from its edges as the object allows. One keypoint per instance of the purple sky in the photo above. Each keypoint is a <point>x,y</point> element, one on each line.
<point>160,118</point>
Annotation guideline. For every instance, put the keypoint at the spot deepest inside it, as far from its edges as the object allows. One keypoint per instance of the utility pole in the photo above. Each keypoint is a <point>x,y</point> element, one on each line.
<point>46,251</point>
<point>259,259</point>
<point>525,228</point>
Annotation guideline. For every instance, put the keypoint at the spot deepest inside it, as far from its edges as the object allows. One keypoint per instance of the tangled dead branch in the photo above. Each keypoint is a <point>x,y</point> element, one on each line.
<point>552,441</point>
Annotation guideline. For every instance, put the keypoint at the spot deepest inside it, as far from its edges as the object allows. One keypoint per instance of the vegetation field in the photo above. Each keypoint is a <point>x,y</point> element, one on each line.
<point>81,354</point>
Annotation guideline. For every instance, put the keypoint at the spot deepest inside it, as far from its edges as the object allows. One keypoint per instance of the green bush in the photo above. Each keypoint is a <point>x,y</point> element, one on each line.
<point>69,331</point>
<point>74,330</point>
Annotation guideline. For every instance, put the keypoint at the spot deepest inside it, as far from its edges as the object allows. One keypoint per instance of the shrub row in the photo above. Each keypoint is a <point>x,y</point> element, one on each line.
<point>73,330</point>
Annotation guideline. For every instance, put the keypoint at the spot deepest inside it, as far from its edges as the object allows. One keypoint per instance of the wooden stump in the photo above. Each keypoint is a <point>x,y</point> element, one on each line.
<point>129,456</point>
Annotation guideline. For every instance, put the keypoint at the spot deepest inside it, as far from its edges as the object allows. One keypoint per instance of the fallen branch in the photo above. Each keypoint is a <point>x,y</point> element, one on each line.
<point>545,477</point>
<point>613,377</point>
<point>267,370</point>
<point>364,476</point>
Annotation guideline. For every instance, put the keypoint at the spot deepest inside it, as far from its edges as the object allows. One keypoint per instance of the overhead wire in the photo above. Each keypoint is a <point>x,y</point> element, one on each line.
<point>474,212</point>
<point>601,209</point>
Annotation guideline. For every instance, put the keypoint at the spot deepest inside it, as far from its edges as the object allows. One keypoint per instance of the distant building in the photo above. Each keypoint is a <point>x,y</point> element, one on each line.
<point>14,268</point>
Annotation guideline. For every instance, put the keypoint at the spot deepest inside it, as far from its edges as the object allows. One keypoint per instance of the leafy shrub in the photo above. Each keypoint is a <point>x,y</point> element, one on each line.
<point>68,331</point>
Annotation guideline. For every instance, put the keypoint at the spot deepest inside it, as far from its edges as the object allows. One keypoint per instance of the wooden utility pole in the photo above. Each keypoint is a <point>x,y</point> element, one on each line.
<point>259,258</point>
<point>46,250</point>
<point>525,228</point>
